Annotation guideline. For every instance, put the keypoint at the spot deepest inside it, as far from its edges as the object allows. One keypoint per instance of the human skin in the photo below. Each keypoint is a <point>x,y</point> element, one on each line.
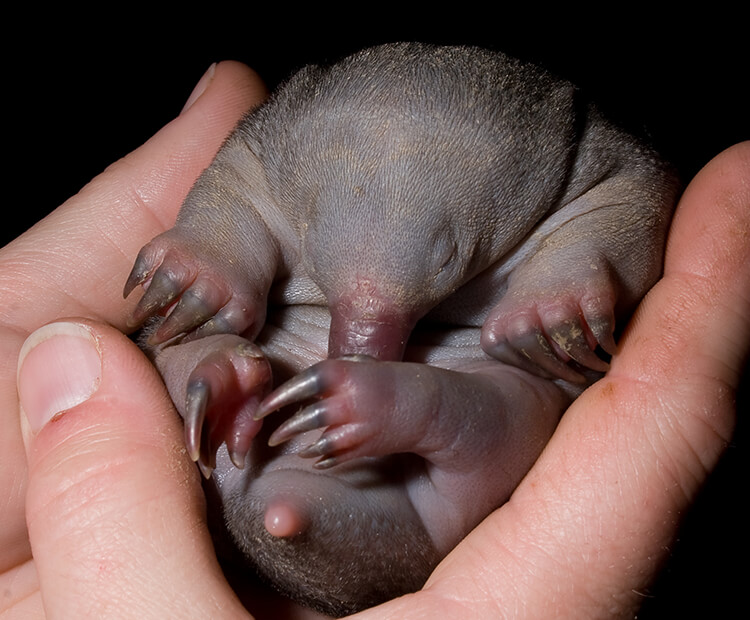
<point>644,438</point>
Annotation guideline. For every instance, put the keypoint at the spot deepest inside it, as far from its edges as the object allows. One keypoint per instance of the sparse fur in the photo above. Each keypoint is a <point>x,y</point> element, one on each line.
<point>437,245</point>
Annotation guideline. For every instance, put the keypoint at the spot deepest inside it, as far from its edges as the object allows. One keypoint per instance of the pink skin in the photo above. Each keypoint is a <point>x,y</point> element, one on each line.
<point>198,298</point>
<point>218,393</point>
<point>358,407</point>
<point>546,334</point>
<point>363,401</point>
<point>282,520</point>
<point>367,326</point>
<point>472,259</point>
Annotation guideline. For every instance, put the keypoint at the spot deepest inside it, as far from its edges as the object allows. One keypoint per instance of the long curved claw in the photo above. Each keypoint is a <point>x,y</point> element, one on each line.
<point>216,324</point>
<point>237,316</point>
<point>221,394</point>
<point>560,338</point>
<point>313,381</point>
<point>337,386</point>
<point>197,442</point>
<point>240,438</point>
<point>326,463</point>
<point>164,288</point>
<point>147,263</point>
<point>323,447</point>
<point>190,312</point>
<point>571,338</point>
<point>206,470</point>
<point>520,341</point>
<point>308,419</point>
<point>323,450</point>
<point>535,347</point>
<point>142,269</point>
<point>305,385</point>
<point>602,328</point>
<point>198,395</point>
<point>195,292</point>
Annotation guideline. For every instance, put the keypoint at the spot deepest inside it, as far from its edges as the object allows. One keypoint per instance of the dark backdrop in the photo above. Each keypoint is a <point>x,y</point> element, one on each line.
<point>81,92</point>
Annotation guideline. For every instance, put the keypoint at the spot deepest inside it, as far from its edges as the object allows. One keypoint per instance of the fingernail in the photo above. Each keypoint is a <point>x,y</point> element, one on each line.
<point>59,367</point>
<point>200,88</point>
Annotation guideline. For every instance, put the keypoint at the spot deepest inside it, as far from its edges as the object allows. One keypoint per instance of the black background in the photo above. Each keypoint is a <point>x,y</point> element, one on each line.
<point>83,90</point>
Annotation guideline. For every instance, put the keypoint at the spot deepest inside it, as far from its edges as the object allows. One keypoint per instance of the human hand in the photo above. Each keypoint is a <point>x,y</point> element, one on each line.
<point>589,527</point>
<point>124,514</point>
<point>72,264</point>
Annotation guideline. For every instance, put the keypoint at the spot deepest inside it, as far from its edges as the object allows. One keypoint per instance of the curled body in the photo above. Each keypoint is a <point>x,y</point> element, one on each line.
<point>380,297</point>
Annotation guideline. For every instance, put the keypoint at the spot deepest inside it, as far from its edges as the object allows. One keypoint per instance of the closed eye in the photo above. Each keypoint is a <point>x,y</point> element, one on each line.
<point>447,260</point>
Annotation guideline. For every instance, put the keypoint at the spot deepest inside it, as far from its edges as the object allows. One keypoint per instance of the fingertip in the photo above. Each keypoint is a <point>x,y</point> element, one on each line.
<point>710,233</point>
<point>97,377</point>
<point>694,324</point>
<point>225,91</point>
<point>689,341</point>
<point>200,87</point>
<point>112,498</point>
<point>252,85</point>
<point>59,367</point>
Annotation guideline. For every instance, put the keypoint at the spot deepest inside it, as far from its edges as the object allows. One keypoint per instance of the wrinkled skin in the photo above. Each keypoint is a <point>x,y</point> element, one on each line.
<point>380,299</point>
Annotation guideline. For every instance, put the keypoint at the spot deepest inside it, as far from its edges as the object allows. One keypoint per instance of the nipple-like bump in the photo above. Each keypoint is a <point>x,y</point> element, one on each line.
<point>284,520</point>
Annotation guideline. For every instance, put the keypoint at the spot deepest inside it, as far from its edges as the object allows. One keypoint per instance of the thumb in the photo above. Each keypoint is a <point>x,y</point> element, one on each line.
<point>114,508</point>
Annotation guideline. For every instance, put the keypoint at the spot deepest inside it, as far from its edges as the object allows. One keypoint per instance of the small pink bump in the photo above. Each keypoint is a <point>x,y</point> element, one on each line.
<point>283,520</point>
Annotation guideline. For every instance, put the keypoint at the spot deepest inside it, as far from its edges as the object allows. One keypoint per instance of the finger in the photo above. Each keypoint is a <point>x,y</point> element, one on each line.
<point>88,244</point>
<point>17,577</point>
<point>634,451</point>
<point>589,527</point>
<point>114,507</point>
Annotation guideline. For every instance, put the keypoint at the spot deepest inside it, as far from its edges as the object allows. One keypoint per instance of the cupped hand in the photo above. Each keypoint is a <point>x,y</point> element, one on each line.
<point>114,508</point>
<point>87,545</point>
<point>591,524</point>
